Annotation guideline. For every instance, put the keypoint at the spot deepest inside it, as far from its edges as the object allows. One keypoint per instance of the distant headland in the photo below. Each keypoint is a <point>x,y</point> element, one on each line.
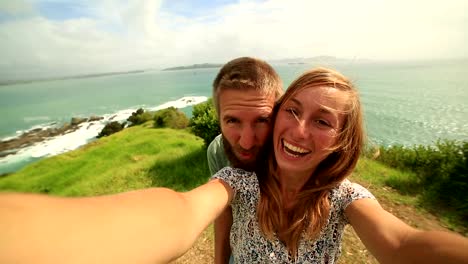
<point>312,60</point>
<point>290,61</point>
<point>194,66</point>
<point>92,75</point>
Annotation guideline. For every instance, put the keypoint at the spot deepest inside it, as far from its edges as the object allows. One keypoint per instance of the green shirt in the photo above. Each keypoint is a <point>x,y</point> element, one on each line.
<point>217,158</point>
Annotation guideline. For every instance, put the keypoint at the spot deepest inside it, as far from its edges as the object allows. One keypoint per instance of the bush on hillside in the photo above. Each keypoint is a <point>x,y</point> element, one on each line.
<point>204,122</point>
<point>111,128</point>
<point>170,117</point>
<point>442,172</point>
<point>139,117</point>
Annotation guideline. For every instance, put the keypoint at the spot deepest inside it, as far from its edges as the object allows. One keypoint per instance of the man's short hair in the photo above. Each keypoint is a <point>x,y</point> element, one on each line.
<point>247,73</point>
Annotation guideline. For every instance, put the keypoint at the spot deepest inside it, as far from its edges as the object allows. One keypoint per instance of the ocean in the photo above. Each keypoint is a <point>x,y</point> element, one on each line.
<point>404,103</point>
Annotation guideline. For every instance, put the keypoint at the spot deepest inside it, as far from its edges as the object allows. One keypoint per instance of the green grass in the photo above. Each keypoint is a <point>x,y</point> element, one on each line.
<point>377,175</point>
<point>137,157</point>
<point>380,178</point>
<point>439,178</point>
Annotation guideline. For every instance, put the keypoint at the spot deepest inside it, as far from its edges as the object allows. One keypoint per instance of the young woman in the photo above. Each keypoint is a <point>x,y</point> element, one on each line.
<point>293,210</point>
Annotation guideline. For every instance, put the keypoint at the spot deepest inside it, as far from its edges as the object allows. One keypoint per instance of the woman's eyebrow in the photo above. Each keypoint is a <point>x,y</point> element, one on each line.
<point>322,109</point>
<point>294,100</point>
<point>325,111</point>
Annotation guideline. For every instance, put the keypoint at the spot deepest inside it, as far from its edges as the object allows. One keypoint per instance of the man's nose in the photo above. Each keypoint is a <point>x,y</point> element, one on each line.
<point>247,138</point>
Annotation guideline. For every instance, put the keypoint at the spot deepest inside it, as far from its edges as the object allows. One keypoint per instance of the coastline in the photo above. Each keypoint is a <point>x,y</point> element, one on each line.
<point>53,138</point>
<point>36,135</point>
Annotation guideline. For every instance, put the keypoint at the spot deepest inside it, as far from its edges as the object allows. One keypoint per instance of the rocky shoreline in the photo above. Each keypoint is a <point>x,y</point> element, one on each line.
<point>33,136</point>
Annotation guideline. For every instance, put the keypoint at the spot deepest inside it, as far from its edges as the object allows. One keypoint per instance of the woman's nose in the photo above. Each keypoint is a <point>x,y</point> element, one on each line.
<point>302,130</point>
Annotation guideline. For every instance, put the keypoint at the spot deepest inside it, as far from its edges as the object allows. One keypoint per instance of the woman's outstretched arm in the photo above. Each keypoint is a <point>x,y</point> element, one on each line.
<point>391,240</point>
<point>145,226</point>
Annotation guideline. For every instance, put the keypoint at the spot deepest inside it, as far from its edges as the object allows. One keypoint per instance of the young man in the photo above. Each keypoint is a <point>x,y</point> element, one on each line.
<point>98,229</point>
<point>244,93</point>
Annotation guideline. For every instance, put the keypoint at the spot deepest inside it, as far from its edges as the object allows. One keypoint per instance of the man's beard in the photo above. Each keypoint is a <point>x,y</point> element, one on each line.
<point>236,162</point>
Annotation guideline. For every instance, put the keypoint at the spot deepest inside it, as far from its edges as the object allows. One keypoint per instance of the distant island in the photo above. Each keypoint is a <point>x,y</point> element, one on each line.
<point>92,75</point>
<point>289,61</point>
<point>310,60</point>
<point>194,66</point>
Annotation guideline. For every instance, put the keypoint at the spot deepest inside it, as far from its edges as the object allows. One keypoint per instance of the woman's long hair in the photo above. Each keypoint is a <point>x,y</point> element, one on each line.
<point>310,212</point>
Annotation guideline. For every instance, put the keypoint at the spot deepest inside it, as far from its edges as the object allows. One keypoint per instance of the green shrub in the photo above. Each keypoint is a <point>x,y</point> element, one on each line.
<point>139,117</point>
<point>170,117</point>
<point>204,122</point>
<point>441,172</point>
<point>110,128</point>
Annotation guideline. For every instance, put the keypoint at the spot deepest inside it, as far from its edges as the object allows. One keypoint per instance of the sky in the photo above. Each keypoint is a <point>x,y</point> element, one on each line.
<point>58,37</point>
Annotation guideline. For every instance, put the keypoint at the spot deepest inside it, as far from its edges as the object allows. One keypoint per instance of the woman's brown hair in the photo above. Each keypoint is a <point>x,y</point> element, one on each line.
<point>311,211</point>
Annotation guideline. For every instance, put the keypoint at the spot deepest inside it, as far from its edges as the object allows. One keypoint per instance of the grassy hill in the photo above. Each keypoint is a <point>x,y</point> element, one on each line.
<point>137,157</point>
<point>143,156</point>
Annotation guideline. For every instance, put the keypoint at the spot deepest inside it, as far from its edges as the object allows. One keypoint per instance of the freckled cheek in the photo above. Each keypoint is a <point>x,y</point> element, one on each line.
<point>332,134</point>
<point>282,123</point>
<point>329,138</point>
<point>326,138</point>
<point>282,130</point>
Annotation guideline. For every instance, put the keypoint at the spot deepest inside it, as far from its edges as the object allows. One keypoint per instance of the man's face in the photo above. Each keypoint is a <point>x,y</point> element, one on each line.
<point>245,124</point>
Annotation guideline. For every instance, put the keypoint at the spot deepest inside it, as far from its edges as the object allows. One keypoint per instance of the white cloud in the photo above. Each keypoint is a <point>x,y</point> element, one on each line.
<point>121,35</point>
<point>15,7</point>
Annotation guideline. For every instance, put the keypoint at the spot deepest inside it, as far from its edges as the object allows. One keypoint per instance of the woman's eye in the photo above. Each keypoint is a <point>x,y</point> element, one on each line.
<point>322,122</point>
<point>292,111</point>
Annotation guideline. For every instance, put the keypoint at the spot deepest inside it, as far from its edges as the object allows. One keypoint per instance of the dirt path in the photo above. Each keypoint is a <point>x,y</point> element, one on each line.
<point>353,250</point>
<point>202,251</point>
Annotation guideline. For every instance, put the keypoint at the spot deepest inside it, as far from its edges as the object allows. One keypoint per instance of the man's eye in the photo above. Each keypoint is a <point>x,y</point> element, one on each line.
<point>263,120</point>
<point>232,121</point>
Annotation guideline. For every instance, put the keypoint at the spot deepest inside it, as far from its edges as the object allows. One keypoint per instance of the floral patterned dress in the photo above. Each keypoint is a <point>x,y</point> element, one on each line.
<point>250,246</point>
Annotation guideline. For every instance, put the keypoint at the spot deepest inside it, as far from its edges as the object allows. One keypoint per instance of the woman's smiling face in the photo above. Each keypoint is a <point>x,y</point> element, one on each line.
<point>307,127</point>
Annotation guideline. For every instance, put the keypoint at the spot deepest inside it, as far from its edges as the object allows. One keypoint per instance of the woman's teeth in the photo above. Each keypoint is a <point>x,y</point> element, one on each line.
<point>294,150</point>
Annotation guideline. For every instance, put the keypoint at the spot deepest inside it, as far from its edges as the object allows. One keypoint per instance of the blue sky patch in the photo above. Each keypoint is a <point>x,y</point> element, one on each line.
<point>62,10</point>
<point>193,9</point>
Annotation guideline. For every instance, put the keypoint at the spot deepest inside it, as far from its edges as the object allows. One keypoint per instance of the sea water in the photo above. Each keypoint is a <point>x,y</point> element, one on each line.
<point>404,102</point>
